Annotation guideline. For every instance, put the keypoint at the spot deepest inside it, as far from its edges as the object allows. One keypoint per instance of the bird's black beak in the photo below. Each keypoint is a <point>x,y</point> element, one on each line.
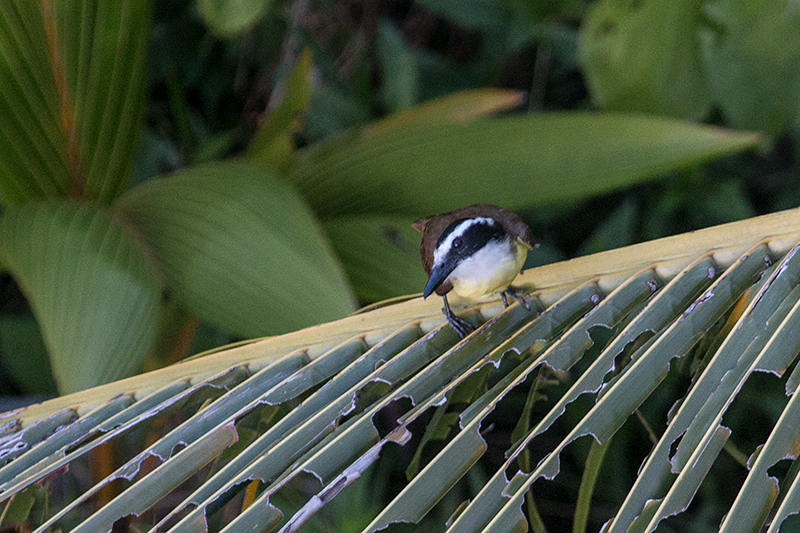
<point>438,276</point>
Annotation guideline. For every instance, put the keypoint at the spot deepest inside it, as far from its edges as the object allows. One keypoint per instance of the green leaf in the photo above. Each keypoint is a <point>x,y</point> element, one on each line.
<point>105,47</point>
<point>399,68</point>
<point>380,255</point>
<point>513,162</point>
<point>463,106</point>
<point>90,288</point>
<point>751,50</point>
<point>18,508</point>
<point>73,85</point>
<point>584,503</point>
<point>33,155</point>
<point>332,110</point>
<point>642,56</point>
<point>239,248</point>
<point>229,18</point>
<point>273,145</point>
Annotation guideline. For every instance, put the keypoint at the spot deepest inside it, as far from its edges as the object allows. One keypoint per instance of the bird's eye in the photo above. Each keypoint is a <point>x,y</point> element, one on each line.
<point>457,242</point>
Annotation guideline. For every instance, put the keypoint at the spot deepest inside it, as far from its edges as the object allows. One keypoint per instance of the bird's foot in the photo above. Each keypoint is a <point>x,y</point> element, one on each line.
<point>517,294</point>
<point>461,326</point>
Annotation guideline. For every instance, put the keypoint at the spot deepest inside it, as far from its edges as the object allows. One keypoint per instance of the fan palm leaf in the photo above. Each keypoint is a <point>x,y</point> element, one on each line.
<point>317,408</point>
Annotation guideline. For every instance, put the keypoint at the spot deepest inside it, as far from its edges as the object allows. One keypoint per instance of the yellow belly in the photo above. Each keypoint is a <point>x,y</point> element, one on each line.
<point>489,271</point>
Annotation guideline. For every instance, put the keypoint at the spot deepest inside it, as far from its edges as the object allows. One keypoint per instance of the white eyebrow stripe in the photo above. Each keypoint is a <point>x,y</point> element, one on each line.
<point>440,252</point>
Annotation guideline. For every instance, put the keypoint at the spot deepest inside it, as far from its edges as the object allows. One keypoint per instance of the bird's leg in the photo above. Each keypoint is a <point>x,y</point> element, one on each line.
<point>461,326</point>
<point>517,294</point>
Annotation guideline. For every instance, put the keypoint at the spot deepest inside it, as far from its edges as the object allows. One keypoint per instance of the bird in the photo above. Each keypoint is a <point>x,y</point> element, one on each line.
<point>474,251</point>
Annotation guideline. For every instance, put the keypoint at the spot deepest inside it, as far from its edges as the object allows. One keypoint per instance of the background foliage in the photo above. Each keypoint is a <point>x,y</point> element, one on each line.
<point>176,175</point>
<point>353,106</point>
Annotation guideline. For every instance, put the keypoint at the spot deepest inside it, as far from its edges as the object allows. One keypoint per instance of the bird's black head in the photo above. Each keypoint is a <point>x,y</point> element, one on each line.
<point>459,241</point>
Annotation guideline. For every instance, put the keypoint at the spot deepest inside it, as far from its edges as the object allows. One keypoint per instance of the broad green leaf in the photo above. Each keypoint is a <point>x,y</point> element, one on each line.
<point>751,50</point>
<point>104,46</point>
<point>273,145</point>
<point>239,248</point>
<point>399,68</point>
<point>380,255</point>
<point>95,298</point>
<point>33,154</point>
<point>228,18</point>
<point>513,162</point>
<point>73,86</point>
<point>642,56</point>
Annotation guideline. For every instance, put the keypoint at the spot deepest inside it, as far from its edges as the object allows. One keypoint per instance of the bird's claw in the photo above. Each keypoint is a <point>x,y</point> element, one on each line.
<point>461,326</point>
<point>517,294</point>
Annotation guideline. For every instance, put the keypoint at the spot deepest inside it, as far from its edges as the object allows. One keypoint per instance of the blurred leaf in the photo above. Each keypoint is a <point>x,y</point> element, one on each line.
<point>239,248</point>
<point>105,48</point>
<point>616,231</point>
<point>333,110</point>
<point>326,66</point>
<point>400,86</point>
<point>273,144</point>
<point>178,106</point>
<point>443,76</point>
<point>18,507</point>
<point>94,296</point>
<point>72,80</point>
<point>513,162</point>
<point>157,154</point>
<point>380,255</point>
<point>228,18</point>
<point>477,14</point>
<point>721,202</point>
<point>33,156</point>
<point>463,106</point>
<point>751,51</point>
<point>696,202</point>
<point>216,146</point>
<point>642,56</point>
<point>24,355</point>
<point>505,25</point>
<point>543,254</point>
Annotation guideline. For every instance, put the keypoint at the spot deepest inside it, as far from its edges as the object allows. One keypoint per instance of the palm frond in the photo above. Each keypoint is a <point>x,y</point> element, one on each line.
<point>311,412</point>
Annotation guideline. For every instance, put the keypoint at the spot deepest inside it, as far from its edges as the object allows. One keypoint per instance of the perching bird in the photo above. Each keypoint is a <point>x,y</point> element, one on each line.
<point>474,251</point>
